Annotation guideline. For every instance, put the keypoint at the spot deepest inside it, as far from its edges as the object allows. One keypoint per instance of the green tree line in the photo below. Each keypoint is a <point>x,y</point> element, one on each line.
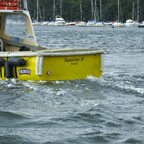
<point>129,9</point>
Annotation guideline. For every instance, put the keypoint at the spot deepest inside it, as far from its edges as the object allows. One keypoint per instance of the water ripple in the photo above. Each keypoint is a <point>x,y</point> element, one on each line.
<point>108,110</point>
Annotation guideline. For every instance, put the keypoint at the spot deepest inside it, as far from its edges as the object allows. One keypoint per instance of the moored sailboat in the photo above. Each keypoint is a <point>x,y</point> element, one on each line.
<point>37,22</point>
<point>118,23</point>
<point>81,23</point>
<point>59,21</point>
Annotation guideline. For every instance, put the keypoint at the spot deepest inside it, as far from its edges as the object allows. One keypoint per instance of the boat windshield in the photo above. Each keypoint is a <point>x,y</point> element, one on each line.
<point>16,25</point>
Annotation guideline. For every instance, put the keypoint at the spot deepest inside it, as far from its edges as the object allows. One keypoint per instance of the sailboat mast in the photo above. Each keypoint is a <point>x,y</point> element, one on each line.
<point>81,16</point>
<point>133,11</point>
<point>137,10</point>
<point>100,9</point>
<point>95,10</point>
<point>37,10</point>
<point>43,13</point>
<point>53,9</point>
<point>92,10</point>
<point>25,4</point>
<point>118,10</point>
<point>60,8</point>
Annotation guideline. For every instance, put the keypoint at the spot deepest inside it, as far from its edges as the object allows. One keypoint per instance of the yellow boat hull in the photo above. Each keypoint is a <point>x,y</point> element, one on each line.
<point>21,58</point>
<point>54,66</point>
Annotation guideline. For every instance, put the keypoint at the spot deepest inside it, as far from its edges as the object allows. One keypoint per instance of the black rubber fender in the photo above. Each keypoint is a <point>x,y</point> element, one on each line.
<point>2,62</point>
<point>10,63</point>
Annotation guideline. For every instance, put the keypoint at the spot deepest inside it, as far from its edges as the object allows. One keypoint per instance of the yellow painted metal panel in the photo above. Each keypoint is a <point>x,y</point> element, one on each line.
<point>72,67</point>
<point>59,68</point>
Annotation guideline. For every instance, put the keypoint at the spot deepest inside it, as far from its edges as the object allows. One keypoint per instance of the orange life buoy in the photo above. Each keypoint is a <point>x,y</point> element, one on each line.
<point>9,4</point>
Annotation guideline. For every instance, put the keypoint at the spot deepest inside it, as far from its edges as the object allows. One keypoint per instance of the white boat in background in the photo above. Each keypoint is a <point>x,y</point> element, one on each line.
<point>91,23</point>
<point>59,21</point>
<point>36,23</point>
<point>70,23</point>
<point>99,24</point>
<point>44,23</point>
<point>81,23</point>
<point>141,25</point>
<point>130,22</point>
<point>117,24</point>
<point>51,23</point>
<point>109,23</point>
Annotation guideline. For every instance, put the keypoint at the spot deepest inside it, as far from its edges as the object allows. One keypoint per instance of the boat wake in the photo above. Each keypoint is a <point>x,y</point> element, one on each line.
<point>116,81</point>
<point>122,82</point>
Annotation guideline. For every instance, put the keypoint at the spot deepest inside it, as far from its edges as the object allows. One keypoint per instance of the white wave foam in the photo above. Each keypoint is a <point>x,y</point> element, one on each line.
<point>134,89</point>
<point>92,78</point>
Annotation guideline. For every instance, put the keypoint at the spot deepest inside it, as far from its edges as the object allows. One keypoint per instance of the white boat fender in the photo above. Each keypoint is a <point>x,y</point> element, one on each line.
<point>2,62</point>
<point>10,63</point>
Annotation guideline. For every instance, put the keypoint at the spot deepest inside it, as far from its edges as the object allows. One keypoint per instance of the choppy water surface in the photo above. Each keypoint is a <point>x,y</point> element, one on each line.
<point>108,110</point>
